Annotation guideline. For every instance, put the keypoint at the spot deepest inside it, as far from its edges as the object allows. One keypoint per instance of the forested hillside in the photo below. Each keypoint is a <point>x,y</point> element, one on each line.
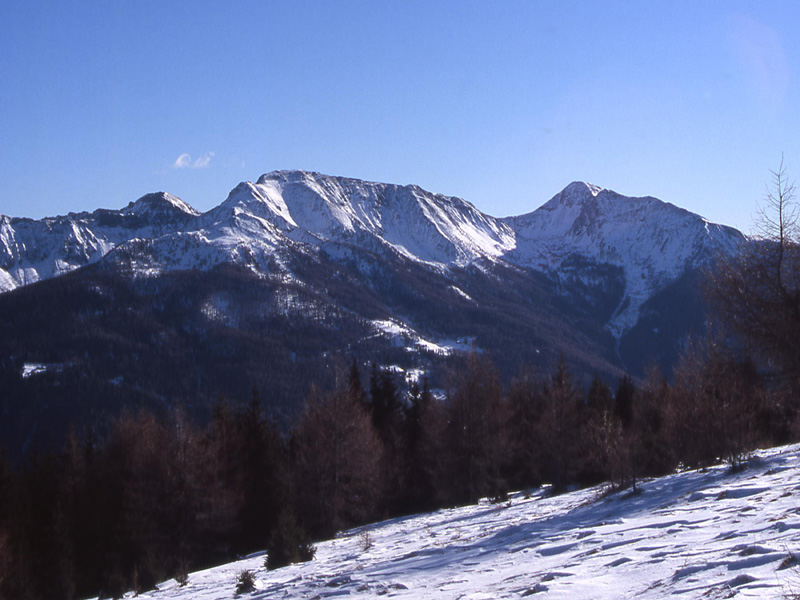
<point>157,497</point>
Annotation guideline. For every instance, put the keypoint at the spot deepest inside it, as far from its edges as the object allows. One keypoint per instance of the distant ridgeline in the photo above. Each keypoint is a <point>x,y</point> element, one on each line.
<point>294,276</point>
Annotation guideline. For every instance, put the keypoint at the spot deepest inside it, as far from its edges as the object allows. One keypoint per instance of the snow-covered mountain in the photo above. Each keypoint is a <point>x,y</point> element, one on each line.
<point>653,242</point>
<point>298,271</point>
<point>33,250</point>
<point>419,225</point>
<point>307,212</point>
<point>575,238</point>
<point>694,534</point>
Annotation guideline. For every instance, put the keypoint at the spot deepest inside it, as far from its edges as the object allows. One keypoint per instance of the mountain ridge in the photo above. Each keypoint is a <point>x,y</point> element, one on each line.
<point>298,272</point>
<point>306,207</point>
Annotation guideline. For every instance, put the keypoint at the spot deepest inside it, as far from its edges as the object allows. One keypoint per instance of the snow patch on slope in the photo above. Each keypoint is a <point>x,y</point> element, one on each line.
<point>403,336</point>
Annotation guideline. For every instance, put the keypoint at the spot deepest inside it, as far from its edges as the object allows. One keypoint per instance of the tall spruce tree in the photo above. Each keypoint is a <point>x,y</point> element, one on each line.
<point>526,406</point>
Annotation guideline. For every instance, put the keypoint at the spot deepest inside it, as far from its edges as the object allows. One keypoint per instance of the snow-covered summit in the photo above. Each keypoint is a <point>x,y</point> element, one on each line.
<point>654,242</point>
<point>159,205</point>
<point>314,208</point>
<point>576,193</point>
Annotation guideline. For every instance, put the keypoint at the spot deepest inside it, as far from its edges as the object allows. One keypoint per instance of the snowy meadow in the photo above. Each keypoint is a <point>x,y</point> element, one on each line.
<point>710,533</point>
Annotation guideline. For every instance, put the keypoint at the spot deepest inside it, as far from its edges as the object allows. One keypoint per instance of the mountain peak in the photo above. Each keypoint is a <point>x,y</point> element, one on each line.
<point>159,203</point>
<point>576,193</point>
<point>296,176</point>
<point>580,188</point>
<point>578,201</point>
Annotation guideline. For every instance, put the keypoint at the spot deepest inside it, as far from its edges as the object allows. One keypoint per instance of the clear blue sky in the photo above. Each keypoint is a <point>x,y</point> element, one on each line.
<point>501,103</point>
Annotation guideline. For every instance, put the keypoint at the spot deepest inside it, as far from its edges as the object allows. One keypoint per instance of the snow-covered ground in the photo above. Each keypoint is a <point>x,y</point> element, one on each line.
<point>402,335</point>
<point>695,534</point>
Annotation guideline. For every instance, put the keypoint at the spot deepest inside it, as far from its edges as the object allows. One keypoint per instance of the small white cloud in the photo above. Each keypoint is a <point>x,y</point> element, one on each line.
<point>184,161</point>
<point>203,161</point>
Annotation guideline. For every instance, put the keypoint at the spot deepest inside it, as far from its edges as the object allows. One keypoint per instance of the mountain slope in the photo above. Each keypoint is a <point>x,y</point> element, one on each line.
<point>294,275</point>
<point>81,347</point>
<point>653,242</point>
<point>584,237</point>
<point>32,250</point>
<point>694,534</point>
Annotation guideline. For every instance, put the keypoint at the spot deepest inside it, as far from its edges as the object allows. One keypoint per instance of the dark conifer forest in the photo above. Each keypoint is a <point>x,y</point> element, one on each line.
<point>158,497</point>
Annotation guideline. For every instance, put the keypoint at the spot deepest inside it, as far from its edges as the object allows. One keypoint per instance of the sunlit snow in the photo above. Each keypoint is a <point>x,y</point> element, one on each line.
<point>31,369</point>
<point>402,335</point>
<point>695,534</point>
<point>652,242</point>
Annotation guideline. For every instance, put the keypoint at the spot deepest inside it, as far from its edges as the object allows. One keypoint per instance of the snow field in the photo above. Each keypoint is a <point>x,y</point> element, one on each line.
<point>694,534</point>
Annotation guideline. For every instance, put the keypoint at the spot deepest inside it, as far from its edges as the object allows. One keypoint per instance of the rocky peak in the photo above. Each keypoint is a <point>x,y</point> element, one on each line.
<point>159,204</point>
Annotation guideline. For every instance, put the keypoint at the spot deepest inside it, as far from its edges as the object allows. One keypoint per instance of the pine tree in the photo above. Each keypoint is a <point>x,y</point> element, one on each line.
<point>423,426</point>
<point>259,460</point>
<point>384,403</point>
<point>652,454</point>
<point>526,410</point>
<point>623,401</point>
<point>599,399</point>
<point>602,430</point>
<point>289,543</point>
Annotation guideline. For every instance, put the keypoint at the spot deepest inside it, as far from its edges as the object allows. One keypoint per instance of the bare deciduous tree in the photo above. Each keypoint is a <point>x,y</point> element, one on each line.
<point>756,293</point>
<point>336,466</point>
<point>710,412</point>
